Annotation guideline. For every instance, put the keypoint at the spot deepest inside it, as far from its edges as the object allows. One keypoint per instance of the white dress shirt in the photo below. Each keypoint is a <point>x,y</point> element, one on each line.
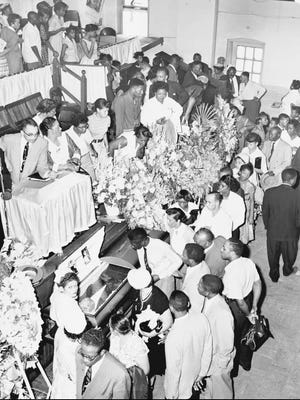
<point>251,90</point>
<point>221,324</point>
<point>59,153</point>
<point>162,260</point>
<point>31,37</point>
<point>188,350</point>
<point>239,278</point>
<point>180,237</point>
<point>220,224</point>
<point>234,206</point>
<point>190,285</point>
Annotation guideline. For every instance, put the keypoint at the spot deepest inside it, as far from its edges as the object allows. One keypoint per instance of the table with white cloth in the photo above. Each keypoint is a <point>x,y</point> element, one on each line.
<point>123,50</point>
<point>48,214</point>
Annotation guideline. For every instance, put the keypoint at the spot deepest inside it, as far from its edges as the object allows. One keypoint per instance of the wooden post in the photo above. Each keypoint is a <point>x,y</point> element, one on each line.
<point>56,77</point>
<point>83,92</point>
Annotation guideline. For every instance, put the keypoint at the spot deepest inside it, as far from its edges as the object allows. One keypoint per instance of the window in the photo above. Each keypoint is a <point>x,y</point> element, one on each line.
<point>246,55</point>
<point>135,17</point>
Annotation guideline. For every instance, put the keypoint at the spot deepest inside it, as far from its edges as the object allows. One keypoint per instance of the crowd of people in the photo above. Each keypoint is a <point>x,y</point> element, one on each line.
<point>197,296</point>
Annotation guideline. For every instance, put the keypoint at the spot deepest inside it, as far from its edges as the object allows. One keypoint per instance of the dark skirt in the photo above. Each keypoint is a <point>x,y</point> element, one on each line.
<point>156,356</point>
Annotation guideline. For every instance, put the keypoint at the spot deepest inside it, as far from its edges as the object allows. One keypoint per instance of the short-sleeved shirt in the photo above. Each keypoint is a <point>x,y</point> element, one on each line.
<point>239,278</point>
<point>98,126</point>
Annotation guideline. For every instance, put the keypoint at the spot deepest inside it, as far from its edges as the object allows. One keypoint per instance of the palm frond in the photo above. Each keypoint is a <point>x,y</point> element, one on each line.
<point>204,113</point>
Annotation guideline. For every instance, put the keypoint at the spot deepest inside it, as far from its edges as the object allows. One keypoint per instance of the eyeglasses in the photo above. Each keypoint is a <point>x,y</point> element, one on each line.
<point>30,134</point>
<point>90,358</point>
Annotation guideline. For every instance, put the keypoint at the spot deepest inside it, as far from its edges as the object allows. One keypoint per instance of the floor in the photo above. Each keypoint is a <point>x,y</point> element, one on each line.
<point>275,372</point>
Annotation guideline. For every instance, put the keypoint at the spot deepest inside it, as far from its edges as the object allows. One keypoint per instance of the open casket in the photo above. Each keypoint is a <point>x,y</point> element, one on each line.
<point>103,281</point>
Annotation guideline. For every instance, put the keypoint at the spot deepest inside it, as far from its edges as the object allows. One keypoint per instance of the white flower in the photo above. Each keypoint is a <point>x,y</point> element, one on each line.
<point>187,163</point>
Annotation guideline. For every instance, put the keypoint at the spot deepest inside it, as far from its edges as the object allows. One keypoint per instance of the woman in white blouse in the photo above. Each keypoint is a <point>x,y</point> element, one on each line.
<point>232,204</point>
<point>89,45</point>
<point>163,111</point>
<point>180,234</point>
<point>62,153</point>
<point>130,349</point>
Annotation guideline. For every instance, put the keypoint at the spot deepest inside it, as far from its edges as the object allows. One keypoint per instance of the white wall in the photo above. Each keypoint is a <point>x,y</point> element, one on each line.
<point>276,23</point>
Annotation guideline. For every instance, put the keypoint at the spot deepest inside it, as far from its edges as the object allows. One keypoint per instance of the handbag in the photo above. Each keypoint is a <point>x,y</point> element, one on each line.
<point>257,334</point>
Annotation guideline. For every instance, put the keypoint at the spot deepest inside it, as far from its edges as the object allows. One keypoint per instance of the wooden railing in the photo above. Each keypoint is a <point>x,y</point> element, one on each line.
<point>57,83</point>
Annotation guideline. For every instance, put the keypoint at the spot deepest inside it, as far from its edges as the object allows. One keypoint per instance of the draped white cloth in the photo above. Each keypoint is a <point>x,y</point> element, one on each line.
<point>49,213</point>
<point>96,81</point>
<point>123,51</point>
<point>16,87</point>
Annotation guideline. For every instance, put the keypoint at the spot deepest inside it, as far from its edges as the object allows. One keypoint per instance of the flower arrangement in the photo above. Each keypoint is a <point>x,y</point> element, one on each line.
<point>139,188</point>
<point>20,330</point>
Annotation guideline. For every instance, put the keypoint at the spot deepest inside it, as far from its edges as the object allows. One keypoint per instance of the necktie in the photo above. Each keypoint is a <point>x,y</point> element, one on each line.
<point>87,379</point>
<point>146,262</point>
<point>272,151</point>
<point>25,154</point>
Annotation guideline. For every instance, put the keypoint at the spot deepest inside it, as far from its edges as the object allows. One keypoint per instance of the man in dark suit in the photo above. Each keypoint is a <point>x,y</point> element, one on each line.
<point>198,57</point>
<point>281,216</point>
<point>232,84</point>
<point>212,248</point>
<point>99,374</point>
<point>6,191</point>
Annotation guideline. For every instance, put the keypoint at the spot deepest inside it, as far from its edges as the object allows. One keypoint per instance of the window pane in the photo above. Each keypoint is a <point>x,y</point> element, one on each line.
<point>239,64</point>
<point>258,54</point>
<point>240,52</point>
<point>257,67</point>
<point>256,78</point>
<point>249,53</point>
<point>248,65</point>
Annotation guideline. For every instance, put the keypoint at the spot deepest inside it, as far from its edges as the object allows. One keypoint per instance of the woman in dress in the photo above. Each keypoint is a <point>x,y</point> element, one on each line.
<point>82,139</point>
<point>71,323</point>
<point>151,317</point>
<point>130,349</point>
<point>163,112</point>
<point>89,45</point>
<point>180,233</point>
<point>232,203</point>
<point>99,122</point>
<point>247,230</point>
<point>43,26</point>
<point>130,144</point>
<point>69,52</point>
<point>185,202</point>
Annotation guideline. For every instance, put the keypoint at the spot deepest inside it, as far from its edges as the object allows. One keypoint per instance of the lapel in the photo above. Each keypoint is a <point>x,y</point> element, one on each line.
<point>17,155</point>
<point>30,157</point>
<point>80,372</point>
<point>100,378</point>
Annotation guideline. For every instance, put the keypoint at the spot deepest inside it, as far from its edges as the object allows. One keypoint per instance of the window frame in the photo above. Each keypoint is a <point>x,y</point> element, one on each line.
<point>231,54</point>
<point>135,8</point>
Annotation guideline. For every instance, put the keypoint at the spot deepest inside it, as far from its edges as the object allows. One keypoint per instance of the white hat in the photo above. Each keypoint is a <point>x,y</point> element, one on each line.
<point>139,278</point>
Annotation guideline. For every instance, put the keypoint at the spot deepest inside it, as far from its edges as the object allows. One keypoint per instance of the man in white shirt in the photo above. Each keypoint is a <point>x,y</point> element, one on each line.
<point>290,136</point>
<point>31,47</point>
<point>157,257</point>
<point>188,349</point>
<point>250,94</point>
<point>193,257</point>
<point>242,289</point>
<point>99,375</point>
<point>214,218</point>
<point>217,311</point>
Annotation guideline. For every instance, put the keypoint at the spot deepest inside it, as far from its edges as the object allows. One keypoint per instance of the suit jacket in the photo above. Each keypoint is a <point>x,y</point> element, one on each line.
<point>36,160</point>
<point>213,257</point>
<point>111,381</point>
<point>176,92</point>
<point>205,67</point>
<point>281,212</point>
<point>281,157</point>
<point>190,80</point>
<point>5,173</point>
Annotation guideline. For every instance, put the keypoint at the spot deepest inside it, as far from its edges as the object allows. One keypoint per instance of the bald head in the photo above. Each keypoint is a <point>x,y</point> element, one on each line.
<point>204,237</point>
